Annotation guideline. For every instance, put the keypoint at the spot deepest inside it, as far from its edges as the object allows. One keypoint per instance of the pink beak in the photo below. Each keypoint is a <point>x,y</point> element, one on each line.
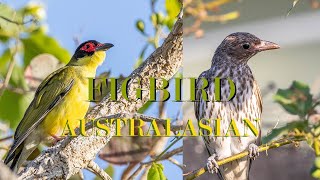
<point>266,45</point>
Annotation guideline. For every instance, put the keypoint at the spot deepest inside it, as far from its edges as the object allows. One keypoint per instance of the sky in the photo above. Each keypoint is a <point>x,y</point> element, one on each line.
<point>107,22</point>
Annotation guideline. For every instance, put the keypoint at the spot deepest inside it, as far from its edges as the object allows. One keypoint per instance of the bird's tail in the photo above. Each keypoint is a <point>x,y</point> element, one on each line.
<point>18,157</point>
<point>12,158</point>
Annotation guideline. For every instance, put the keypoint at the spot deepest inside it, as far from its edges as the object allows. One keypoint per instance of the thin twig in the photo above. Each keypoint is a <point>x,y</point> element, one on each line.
<point>175,162</point>
<point>16,22</point>
<point>6,138</point>
<point>95,168</point>
<point>166,155</point>
<point>164,151</point>
<point>144,174</point>
<point>138,171</point>
<point>8,76</point>
<point>264,147</point>
<point>201,11</point>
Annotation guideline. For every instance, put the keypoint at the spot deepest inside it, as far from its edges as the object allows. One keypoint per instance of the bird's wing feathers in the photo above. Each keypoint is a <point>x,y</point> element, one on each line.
<point>257,94</point>
<point>49,94</point>
<point>201,106</point>
<point>199,101</point>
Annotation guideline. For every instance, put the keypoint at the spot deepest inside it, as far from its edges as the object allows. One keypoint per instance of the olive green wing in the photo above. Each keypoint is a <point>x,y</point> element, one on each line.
<point>48,95</point>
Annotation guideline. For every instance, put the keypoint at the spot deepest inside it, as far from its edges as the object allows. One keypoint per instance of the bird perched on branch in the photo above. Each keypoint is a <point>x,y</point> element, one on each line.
<point>61,97</point>
<point>230,61</point>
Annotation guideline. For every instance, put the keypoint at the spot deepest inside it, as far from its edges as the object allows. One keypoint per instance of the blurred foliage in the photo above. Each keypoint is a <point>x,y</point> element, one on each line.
<point>38,42</point>
<point>127,149</point>
<point>162,23</point>
<point>297,100</point>
<point>22,37</point>
<point>314,4</point>
<point>200,11</point>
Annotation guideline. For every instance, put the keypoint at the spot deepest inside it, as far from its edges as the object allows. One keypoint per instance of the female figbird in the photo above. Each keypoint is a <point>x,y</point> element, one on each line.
<point>230,61</point>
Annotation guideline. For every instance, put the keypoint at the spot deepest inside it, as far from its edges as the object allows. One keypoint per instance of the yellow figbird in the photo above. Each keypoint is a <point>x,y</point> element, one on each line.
<point>62,96</point>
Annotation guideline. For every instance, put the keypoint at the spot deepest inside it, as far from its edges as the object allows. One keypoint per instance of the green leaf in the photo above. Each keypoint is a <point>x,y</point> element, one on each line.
<point>169,22</point>
<point>157,19</point>
<point>17,78</point>
<point>13,105</point>
<point>109,170</point>
<point>172,8</point>
<point>315,170</point>
<point>7,28</point>
<point>4,59</point>
<point>140,26</point>
<point>277,132</point>
<point>35,10</point>
<point>296,100</point>
<point>156,172</point>
<point>145,107</point>
<point>153,18</point>
<point>38,43</point>
<point>317,162</point>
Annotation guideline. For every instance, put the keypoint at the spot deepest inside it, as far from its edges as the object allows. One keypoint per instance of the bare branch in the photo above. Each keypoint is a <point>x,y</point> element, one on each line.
<point>166,155</point>
<point>175,162</point>
<point>94,167</point>
<point>138,171</point>
<point>9,73</point>
<point>265,147</point>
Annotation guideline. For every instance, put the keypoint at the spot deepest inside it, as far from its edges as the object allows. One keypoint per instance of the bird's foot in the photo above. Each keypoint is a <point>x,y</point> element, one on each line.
<point>56,138</point>
<point>253,151</point>
<point>212,164</point>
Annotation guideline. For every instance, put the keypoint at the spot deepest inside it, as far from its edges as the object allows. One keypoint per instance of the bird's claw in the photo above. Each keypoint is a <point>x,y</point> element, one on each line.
<point>212,164</point>
<point>56,139</point>
<point>253,151</point>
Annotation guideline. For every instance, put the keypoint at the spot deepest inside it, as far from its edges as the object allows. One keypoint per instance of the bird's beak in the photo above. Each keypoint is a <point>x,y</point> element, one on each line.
<point>267,45</point>
<point>104,47</point>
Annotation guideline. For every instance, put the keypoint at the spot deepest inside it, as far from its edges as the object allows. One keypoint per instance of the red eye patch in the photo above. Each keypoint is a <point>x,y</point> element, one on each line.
<point>88,47</point>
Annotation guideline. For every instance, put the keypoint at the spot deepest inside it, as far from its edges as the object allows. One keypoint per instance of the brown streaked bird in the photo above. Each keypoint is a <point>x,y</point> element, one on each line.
<point>230,61</point>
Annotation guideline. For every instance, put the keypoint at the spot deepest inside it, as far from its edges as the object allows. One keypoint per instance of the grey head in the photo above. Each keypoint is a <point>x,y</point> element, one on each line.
<point>238,48</point>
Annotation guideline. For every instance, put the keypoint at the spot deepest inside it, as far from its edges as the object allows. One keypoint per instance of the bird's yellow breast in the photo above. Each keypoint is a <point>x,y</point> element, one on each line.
<point>72,107</point>
<point>75,104</point>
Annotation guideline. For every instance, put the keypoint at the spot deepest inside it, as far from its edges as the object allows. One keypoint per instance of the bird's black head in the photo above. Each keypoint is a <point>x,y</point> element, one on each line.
<point>241,46</point>
<point>88,48</point>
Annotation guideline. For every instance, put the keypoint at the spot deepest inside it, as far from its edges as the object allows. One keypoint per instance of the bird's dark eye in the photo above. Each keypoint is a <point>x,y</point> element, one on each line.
<point>87,46</point>
<point>246,46</point>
